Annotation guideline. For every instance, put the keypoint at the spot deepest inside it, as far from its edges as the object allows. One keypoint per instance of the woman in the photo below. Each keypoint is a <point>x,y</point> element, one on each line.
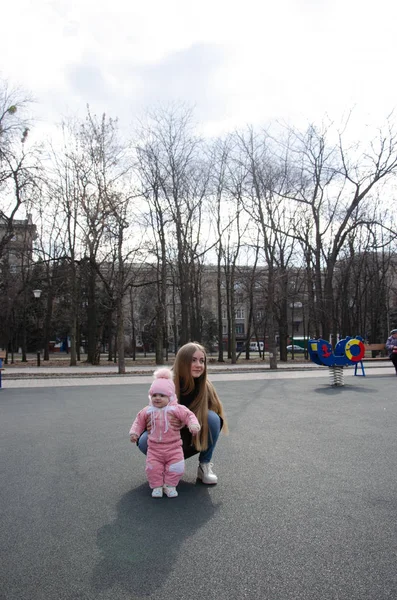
<point>197,393</point>
<point>391,347</point>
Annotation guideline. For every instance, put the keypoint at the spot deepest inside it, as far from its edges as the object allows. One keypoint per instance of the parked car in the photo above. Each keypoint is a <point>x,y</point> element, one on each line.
<point>254,346</point>
<point>297,349</point>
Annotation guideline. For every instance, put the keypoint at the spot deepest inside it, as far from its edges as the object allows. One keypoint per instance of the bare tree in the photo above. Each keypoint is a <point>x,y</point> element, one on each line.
<point>67,185</point>
<point>14,119</point>
<point>159,219</point>
<point>220,157</point>
<point>232,245</point>
<point>270,214</point>
<point>364,278</point>
<point>178,177</point>
<point>337,185</point>
<point>19,166</point>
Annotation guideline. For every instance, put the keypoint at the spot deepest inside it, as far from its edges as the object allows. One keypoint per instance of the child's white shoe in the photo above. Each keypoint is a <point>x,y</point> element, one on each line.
<point>157,492</point>
<point>170,491</point>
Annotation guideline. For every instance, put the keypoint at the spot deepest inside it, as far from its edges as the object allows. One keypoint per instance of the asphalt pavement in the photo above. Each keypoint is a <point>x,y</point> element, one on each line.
<point>305,507</point>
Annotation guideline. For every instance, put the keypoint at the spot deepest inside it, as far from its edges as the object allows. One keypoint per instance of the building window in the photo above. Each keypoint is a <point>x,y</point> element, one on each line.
<point>240,328</point>
<point>224,329</point>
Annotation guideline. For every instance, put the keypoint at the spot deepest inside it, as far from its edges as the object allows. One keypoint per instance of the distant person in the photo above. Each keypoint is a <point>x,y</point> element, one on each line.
<point>197,393</point>
<point>391,347</point>
<point>165,463</point>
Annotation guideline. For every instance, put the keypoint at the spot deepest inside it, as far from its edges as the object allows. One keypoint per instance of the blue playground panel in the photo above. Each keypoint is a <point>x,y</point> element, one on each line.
<point>349,351</point>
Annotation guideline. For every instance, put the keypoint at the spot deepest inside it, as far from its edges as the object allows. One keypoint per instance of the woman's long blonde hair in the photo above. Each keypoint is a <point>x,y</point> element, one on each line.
<point>206,399</point>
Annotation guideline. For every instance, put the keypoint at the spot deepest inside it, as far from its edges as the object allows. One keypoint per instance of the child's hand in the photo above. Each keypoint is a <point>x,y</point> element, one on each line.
<point>134,438</point>
<point>194,429</point>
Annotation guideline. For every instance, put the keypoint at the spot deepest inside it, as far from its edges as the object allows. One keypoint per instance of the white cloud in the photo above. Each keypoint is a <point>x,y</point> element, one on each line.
<point>237,62</point>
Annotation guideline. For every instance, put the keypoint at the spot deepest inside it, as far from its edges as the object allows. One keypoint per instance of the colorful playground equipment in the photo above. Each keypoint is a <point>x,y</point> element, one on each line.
<point>349,351</point>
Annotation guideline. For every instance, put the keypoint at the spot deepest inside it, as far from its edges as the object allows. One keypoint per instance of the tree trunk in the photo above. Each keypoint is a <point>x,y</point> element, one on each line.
<point>159,334</point>
<point>92,321</point>
<point>185,301</point>
<point>120,336</point>
<point>232,321</point>
<point>73,340</point>
<point>24,338</point>
<point>271,323</point>
<point>47,324</point>
<point>220,320</point>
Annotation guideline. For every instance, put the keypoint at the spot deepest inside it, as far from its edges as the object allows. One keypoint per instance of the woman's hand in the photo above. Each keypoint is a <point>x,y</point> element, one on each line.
<point>174,422</point>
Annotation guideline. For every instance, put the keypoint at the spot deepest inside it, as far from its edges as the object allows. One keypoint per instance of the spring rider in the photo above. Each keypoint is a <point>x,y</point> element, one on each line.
<point>349,351</point>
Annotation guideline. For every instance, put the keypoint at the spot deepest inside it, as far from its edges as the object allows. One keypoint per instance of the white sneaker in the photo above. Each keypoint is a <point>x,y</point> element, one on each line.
<point>170,491</point>
<point>157,493</point>
<point>206,474</point>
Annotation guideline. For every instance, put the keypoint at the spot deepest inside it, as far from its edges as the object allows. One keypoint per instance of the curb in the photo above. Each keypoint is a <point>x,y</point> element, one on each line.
<point>8,376</point>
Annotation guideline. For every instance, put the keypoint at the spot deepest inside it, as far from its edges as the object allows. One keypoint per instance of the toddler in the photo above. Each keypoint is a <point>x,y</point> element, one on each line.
<point>165,463</point>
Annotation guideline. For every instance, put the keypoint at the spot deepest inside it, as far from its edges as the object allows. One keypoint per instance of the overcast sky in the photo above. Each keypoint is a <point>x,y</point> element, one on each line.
<point>236,62</point>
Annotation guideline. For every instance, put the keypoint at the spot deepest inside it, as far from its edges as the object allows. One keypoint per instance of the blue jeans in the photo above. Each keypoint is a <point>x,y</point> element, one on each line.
<point>214,429</point>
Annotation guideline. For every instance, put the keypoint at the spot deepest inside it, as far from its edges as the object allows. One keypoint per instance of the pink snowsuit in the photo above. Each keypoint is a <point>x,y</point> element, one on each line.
<point>165,463</point>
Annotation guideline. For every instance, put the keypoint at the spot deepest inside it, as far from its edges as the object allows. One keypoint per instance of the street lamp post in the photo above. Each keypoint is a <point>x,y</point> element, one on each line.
<point>37,294</point>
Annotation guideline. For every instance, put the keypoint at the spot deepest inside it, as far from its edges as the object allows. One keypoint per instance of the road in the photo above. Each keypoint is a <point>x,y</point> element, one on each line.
<point>305,508</point>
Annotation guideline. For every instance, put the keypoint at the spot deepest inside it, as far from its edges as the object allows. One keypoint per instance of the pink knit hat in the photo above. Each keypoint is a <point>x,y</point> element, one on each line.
<point>163,384</point>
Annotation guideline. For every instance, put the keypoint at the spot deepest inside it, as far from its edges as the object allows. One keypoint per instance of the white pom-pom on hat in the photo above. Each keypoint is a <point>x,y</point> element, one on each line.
<point>163,373</point>
<point>163,383</point>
